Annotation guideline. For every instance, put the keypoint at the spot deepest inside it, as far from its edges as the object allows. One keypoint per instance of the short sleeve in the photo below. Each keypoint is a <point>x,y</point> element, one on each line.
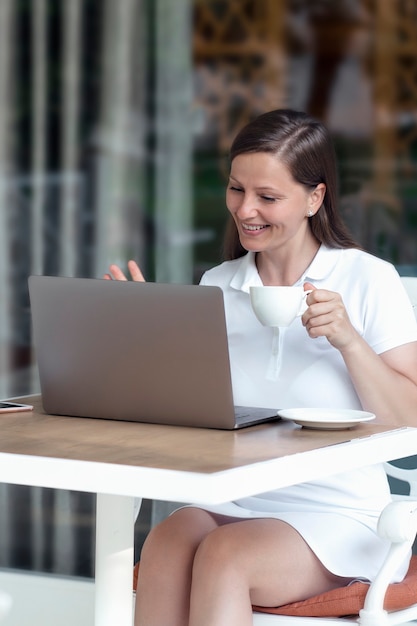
<point>389,319</point>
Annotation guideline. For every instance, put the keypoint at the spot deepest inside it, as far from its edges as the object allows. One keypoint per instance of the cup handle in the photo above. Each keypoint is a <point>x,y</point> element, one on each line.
<point>303,304</point>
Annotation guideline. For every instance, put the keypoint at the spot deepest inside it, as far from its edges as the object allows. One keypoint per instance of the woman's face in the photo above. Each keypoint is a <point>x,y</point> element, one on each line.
<point>268,206</point>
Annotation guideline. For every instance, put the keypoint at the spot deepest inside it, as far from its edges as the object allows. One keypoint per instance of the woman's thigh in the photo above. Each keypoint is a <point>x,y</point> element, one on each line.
<point>269,556</point>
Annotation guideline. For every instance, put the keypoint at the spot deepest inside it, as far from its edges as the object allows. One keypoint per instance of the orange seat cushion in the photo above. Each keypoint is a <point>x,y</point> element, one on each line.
<point>349,600</point>
<point>344,601</point>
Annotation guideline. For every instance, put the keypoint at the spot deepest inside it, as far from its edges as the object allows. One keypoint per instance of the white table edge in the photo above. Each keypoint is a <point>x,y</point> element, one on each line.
<point>206,487</point>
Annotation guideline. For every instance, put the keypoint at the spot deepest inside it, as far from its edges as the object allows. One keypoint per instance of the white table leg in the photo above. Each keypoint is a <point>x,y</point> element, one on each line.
<point>114,560</point>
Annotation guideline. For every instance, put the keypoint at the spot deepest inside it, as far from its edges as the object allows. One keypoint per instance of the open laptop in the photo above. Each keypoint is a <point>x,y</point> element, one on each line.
<point>143,352</point>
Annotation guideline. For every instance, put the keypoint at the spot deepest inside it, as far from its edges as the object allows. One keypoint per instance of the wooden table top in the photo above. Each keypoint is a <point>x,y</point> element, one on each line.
<point>35,433</point>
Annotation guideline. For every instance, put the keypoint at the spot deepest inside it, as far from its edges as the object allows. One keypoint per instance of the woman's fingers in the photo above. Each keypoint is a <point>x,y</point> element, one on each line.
<point>326,316</point>
<point>115,273</point>
<point>135,272</point>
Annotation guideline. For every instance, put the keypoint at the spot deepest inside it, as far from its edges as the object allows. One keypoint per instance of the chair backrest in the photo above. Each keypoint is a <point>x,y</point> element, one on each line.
<point>407,477</point>
<point>410,283</point>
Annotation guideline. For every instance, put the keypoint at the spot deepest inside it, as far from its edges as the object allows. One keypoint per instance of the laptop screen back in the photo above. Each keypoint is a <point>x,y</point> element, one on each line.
<point>132,351</point>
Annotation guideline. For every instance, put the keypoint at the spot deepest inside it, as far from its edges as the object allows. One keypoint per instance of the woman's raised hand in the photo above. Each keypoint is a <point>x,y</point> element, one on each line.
<point>115,273</point>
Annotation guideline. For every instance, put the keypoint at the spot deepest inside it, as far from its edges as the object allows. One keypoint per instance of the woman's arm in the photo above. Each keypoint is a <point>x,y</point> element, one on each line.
<point>387,383</point>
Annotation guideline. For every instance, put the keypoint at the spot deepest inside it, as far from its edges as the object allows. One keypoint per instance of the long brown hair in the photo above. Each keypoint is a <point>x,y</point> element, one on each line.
<point>305,146</point>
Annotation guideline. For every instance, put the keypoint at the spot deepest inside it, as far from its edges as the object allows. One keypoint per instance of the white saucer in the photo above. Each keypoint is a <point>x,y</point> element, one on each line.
<point>326,419</point>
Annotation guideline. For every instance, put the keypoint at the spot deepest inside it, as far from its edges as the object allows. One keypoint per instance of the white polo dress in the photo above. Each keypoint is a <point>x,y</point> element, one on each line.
<point>337,516</point>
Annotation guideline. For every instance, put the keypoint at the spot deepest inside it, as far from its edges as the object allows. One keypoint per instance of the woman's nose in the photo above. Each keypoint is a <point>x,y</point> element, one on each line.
<point>246,208</point>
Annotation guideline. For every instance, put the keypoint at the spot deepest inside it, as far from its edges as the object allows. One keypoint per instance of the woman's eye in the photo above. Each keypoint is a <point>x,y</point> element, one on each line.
<point>232,188</point>
<point>268,198</point>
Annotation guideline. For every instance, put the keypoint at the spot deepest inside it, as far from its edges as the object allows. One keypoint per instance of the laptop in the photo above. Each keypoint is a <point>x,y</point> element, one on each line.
<point>144,352</point>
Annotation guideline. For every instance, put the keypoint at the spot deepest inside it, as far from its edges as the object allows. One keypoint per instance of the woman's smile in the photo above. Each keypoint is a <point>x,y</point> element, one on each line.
<point>254,228</point>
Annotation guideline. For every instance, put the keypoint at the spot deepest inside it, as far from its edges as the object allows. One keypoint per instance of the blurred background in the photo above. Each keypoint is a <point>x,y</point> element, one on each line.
<point>115,121</point>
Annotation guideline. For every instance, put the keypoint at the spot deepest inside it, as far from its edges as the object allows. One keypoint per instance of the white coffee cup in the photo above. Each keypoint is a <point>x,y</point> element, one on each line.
<point>278,306</point>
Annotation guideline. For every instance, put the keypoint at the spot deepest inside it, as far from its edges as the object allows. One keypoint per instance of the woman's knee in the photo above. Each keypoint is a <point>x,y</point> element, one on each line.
<point>217,553</point>
<point>184,529</point>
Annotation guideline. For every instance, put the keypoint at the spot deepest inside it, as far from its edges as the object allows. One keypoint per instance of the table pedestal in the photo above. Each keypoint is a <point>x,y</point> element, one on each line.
<point>114,560</point>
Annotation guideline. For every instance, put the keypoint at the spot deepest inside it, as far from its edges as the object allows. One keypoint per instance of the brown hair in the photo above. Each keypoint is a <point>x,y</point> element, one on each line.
<point>305,146</point>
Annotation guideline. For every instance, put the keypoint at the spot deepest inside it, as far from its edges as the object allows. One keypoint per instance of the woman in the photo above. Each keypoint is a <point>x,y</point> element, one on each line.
<point>354,347</point>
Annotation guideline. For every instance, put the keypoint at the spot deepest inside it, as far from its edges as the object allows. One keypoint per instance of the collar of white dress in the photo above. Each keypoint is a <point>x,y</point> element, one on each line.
<point>321,266</point>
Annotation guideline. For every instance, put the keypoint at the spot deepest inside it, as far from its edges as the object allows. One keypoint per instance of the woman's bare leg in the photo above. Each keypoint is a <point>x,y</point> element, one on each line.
<point>199,569</point>
<point>263,561</point>
<point>164,581</point>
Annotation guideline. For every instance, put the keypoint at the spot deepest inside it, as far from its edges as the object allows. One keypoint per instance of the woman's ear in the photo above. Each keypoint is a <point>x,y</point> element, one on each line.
<point>317,197</point>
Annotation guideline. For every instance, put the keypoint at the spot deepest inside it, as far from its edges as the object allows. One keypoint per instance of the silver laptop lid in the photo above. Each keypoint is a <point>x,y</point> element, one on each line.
<point>144,352</point>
